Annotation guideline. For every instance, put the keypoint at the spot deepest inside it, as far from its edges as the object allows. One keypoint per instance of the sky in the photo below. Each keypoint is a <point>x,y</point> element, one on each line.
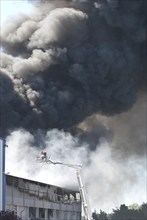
<point>10,8</point>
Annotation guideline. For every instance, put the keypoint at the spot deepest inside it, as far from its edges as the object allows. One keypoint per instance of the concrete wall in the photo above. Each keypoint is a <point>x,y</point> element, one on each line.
<point>35,200</point>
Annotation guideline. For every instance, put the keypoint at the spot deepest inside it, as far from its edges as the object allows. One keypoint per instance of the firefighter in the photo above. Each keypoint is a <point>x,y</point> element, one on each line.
<point>43,155</point>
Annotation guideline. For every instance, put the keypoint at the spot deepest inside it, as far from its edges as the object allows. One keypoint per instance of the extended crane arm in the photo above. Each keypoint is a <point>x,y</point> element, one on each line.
<point>87,212</point>
<point>86,207</point>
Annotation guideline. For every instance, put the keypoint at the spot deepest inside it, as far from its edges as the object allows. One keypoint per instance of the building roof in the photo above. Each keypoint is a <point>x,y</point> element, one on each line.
<point>40,183</point>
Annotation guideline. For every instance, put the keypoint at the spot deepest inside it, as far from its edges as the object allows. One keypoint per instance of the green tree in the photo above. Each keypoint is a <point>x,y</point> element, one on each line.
<point>121,213</point>
<point>101,216</point>
<point>95,215</point>
<point>133,212</point>
<point>143,211</point>
<point>8,215</point>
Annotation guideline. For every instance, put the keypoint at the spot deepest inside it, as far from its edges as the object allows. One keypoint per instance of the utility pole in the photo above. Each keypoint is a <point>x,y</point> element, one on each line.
<point>86,208</point>
<point>2,175</point>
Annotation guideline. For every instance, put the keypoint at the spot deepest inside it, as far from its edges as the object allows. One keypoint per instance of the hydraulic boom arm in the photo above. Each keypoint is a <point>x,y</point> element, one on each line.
<point>86,209</point>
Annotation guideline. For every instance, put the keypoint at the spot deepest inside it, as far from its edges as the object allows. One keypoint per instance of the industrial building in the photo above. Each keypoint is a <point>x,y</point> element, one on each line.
<point>33,200</point>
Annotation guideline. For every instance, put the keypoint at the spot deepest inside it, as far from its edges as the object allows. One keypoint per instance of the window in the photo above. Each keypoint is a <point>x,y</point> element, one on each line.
<point>41,213</point>
<point>32,212</point>
<point>50,213</point>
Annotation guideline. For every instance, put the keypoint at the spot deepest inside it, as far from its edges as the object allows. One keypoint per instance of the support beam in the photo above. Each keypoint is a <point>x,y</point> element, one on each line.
<point>2,176</point>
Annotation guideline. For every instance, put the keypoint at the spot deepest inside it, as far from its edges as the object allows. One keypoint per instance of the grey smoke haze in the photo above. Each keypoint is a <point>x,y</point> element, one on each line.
<point>70,59</point>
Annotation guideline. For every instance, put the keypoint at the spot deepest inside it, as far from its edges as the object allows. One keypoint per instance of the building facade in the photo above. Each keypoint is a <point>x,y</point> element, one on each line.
<point>38,201</point>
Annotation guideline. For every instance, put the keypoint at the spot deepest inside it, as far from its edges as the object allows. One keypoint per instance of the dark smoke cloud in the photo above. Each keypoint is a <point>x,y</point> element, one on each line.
<point>125,133</point>
<point>70,59</point>
<point>95,133</point>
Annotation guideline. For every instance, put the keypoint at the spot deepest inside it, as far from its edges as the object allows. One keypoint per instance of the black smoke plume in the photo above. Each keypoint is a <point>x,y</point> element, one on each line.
<point>70,59</point>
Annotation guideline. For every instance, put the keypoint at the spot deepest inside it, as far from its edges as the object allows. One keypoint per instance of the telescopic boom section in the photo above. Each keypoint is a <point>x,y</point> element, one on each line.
<point>85,203</point>
<point>86,209</point>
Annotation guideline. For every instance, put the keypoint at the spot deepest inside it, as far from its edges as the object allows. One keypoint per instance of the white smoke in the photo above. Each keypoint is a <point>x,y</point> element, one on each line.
<point>110,181</point>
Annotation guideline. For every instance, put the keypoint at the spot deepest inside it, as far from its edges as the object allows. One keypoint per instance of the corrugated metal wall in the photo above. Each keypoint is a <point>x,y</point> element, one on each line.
<point>35,200</point>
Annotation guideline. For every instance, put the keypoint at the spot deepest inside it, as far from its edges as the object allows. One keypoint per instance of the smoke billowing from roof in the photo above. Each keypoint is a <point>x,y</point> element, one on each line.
<point>70,59</point>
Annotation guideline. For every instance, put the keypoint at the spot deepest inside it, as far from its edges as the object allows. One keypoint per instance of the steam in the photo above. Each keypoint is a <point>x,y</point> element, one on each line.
<point>72,81</point>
